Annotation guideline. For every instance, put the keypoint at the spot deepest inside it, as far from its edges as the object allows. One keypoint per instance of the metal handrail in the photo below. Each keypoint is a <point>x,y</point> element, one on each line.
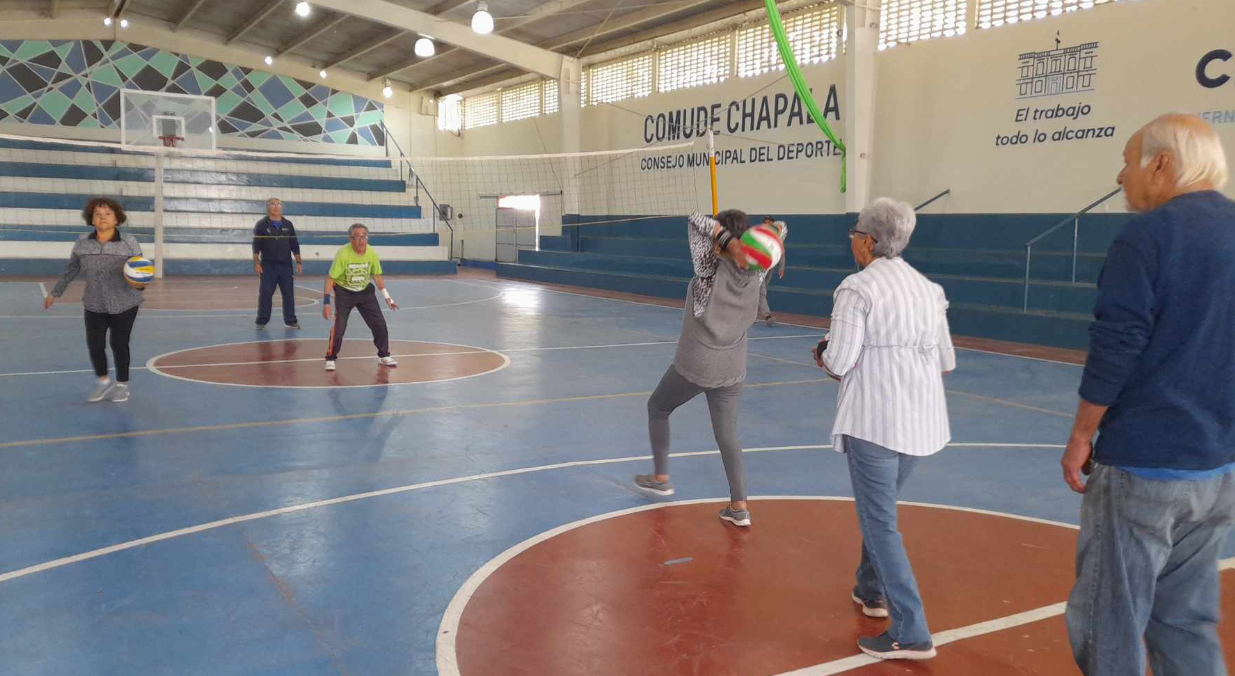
<point>936,197</point>
<point>419,185</point>
<point>1075,219</point>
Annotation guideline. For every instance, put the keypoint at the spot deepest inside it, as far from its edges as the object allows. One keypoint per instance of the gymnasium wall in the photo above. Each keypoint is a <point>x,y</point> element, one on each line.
<point>951,113</point>
<point>414,132</point>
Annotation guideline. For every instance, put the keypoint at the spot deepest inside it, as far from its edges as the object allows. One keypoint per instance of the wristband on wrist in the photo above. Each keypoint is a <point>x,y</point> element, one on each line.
<point>386,294</point>
<point>724,238</point>
<point>326,299</point>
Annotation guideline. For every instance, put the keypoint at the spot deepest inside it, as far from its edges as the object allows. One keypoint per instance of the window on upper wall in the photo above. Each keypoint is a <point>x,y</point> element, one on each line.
<point>620,80</point>
<point>904,22</point>
<point>552,98</point>
<point>480,110</point>
<point>521,102</point>
<point>813,33</point>
<point>450,114</point>
<point>992,13</point>
<point>695,64</point>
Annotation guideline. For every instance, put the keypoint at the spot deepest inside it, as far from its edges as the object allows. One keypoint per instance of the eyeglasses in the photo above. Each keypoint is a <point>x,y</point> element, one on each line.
<point>855,231</point>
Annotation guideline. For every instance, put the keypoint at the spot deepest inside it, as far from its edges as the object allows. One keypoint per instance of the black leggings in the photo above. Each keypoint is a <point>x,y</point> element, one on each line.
<point>121,325</point>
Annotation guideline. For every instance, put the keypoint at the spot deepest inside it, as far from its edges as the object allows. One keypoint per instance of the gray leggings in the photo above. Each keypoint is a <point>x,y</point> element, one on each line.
<point>672,392</point>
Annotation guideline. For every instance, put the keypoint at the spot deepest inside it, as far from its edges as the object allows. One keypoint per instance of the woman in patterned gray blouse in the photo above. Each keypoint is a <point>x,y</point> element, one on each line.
<point>110,302</point>
<point>711,355</point>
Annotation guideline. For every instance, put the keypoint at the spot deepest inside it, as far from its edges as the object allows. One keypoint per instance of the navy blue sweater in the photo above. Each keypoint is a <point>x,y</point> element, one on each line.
<point>276,245</point>
<point>1162,346</point>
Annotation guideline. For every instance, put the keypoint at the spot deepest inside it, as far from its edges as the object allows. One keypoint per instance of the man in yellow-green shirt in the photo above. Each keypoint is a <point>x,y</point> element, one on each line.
<point>349,278</point>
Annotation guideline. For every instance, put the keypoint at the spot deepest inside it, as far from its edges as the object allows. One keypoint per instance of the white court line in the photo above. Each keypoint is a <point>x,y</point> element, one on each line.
<point>939,639</point>
<point>150,365</point>
<point>132,544</point>
<point>478,350</point>
<point>146,316</point>
<point>448,630</point>
<point>43,288</point>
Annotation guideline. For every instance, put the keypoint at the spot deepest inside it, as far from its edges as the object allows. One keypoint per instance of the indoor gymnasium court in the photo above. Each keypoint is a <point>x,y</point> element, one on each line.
<point>270,495</point>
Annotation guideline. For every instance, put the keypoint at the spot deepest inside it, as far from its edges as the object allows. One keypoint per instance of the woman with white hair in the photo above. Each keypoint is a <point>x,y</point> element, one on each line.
<point>889,346</point>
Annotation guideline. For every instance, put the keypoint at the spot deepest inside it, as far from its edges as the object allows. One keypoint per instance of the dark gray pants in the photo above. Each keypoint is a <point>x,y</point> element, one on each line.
<point>365,302</point>
<point>672,392</point>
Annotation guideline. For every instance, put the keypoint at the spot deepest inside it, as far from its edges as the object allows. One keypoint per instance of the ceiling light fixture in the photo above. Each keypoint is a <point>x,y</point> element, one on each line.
<point>303,9</point>
<point>482,20</point>
<point>269,60</point>
<point>322,73</point>
<point>387,91</point>
<point>425,47</point>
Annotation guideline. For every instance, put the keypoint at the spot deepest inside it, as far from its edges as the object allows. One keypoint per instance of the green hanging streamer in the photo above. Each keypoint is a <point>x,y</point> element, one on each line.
<point>799,83</point>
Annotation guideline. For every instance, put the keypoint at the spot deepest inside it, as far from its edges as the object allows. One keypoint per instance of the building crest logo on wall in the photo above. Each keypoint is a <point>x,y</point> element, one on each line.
<point>1063,70</point>
<point>1058,72</point>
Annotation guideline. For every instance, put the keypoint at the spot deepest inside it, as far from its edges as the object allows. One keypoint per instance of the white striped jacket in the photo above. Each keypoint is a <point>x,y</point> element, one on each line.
<point>890,344</point>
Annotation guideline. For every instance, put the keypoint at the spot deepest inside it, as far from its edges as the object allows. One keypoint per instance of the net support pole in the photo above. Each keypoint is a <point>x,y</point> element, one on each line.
<point>158,214</point>
<point>712,170</point>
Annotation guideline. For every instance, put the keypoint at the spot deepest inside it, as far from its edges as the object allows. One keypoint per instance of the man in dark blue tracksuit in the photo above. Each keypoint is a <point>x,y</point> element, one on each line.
<point>274,247</point>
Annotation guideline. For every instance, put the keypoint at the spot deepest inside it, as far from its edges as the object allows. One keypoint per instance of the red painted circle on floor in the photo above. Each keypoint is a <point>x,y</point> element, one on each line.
<point>675,591</point>
<point>301,363</point>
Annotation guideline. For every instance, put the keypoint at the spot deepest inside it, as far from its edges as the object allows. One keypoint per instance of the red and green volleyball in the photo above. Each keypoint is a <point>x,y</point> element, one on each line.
<point>762,246</point>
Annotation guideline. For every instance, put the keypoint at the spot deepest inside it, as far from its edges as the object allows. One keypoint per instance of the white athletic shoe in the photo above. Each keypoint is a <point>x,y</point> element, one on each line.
<point>101,390</point>
<point>329,364</point>
<point>387,361</point>
<point>120,393</point>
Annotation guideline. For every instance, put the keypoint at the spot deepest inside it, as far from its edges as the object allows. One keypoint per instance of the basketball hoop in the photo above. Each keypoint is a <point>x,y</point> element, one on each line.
<point>170,141</point>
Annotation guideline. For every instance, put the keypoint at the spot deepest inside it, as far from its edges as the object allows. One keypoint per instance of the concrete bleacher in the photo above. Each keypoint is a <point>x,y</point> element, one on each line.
<point>979,260</point>
<point>210,204</point>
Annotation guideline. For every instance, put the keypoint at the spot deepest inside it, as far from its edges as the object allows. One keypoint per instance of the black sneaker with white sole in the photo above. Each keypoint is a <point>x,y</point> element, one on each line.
<point>870,608</point>
<point>884,648</point>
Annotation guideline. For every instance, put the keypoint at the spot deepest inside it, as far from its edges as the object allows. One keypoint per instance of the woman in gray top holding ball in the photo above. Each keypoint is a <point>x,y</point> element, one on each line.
<point>721,301</point>
<point>109,300</point>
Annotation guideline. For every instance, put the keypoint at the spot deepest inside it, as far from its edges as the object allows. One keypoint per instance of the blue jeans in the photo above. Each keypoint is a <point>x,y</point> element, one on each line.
<point>276,275</point>
<point>884,573</point>
<point>1147,568</point>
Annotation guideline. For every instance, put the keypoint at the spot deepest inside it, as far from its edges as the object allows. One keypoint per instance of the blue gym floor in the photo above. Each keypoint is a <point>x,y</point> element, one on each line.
<point>359,586</point>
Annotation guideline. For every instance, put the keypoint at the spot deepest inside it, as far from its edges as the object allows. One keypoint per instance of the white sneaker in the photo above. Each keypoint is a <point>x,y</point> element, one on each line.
<point>387,361</point>
<point>120,393</point>
<point>329,364</point>
<point>101,390</point>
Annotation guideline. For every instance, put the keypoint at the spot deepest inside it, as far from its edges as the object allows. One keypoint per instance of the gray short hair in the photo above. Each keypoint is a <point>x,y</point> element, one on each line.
<point>890,222</point>
<point>353,227</point>
<point>1194,145</point>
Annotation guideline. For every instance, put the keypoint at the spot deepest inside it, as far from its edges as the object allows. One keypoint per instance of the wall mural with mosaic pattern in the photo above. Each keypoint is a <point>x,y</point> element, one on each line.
<point>76,83</point>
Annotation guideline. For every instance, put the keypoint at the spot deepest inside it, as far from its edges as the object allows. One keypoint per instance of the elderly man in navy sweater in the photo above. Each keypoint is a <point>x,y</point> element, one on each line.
<point>1159,389</point>
<point>274,247</point>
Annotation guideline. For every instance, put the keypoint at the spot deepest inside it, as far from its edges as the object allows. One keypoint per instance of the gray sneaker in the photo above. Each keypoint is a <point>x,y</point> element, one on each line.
<point>875,608</point>
<point>101,390</point>
<point>120,392</point>
<point>884,648</point>
<point>737,517</point>
<point>648,484</point>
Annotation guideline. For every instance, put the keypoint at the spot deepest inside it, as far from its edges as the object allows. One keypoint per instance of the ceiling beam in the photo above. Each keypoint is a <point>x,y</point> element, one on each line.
<point>541,12</point>
<point>188,15</point>
<point>518,54</point>
<point>366,47</point>
<point>443,7</point>
<point>264,12</point>
<point>312,34</point>
<point>483,76</point>
<point>636,19</point>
